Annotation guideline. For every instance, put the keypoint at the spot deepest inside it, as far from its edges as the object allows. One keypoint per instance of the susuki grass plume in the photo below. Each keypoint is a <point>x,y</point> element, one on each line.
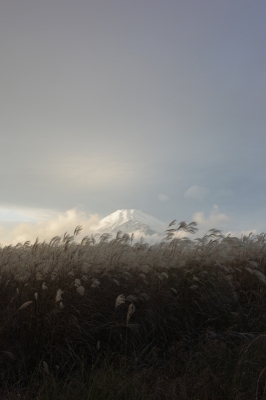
<point>187,310</point>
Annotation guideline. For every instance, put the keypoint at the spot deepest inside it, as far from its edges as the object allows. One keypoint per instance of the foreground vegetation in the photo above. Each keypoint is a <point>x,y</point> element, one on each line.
<point>110,319</point>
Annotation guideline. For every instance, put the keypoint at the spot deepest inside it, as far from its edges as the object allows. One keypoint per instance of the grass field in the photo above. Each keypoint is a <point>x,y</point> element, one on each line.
<point>108,319</point>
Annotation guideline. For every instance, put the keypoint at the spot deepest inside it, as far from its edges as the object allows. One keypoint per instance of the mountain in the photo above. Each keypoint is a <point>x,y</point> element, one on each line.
<point>130,221</point>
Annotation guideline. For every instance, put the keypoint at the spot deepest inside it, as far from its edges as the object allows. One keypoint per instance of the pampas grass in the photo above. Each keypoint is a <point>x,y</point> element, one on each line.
<point>189,323</point>
<point>119,300</point>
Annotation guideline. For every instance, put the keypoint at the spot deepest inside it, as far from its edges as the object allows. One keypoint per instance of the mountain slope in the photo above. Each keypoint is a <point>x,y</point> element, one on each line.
<point>130,221</point>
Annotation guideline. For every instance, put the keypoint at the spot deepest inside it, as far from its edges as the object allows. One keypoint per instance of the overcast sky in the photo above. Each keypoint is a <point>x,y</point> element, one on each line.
<point>110,104</point>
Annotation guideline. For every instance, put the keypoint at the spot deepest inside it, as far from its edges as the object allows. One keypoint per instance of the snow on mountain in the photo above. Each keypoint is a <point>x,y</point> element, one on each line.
<point>130,221</point>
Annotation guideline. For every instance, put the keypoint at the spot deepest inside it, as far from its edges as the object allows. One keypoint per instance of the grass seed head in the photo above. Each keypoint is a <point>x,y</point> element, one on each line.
<point>120,300</point>
<point>24,305</point>
<point>58,296</point>
<point>130,311</point>
<point>45,367</point>
<point>95,283</point>
<point>80,290</point>
<point>77,282</point>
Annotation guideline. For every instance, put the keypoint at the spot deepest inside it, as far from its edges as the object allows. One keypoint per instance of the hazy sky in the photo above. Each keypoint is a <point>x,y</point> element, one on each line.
<point>155,105</point>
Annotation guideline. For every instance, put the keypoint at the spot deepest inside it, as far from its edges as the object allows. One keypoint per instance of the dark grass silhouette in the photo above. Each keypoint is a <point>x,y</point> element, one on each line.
<point>109,319</point>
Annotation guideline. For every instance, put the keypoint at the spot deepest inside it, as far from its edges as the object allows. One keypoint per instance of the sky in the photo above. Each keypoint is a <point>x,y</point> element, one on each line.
<point>154,105</point>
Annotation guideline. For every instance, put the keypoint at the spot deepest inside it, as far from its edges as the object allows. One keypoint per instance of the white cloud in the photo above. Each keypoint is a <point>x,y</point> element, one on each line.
<point>214,220</point>
<point>24,214</point>
<point>196,192</point>
<point>45,229</point>
<point>163,197</point>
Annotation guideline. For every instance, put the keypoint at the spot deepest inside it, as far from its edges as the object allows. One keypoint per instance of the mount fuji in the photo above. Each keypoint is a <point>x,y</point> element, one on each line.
<point>131,221</point>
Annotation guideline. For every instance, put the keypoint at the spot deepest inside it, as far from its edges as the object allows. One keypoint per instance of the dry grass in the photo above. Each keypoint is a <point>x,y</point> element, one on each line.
<point>90,319</point>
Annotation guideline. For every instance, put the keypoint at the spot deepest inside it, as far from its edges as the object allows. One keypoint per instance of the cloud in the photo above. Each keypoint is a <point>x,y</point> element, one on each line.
<point>45,229</point>
<point>97,172</point>
<point>163,197</point>
<point>196,192</point>
<point>18,214</point>
<point>214,220</point>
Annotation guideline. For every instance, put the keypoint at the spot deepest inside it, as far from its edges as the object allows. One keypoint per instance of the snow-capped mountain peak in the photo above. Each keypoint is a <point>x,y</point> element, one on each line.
<point>130,221</point>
